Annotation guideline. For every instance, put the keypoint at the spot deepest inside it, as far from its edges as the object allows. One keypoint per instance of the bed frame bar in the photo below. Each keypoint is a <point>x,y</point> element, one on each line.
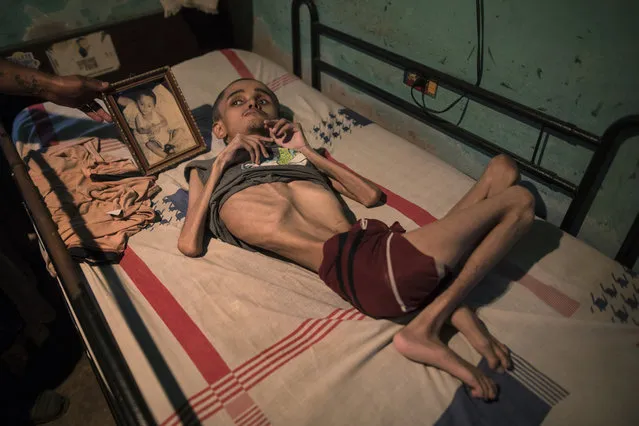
<point>121,391</point>
<point>582,193</point>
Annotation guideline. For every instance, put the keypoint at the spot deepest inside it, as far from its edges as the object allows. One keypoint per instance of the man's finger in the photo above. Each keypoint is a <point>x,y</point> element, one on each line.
<point>105,115</point>
<point>264,150</point>
<point>94,116</point>
<point>259,149</point>
<point>287,128</point>
<point>278,126</point>
<point>97,85</point>
<point>256,153</point>
<point>251,154</point>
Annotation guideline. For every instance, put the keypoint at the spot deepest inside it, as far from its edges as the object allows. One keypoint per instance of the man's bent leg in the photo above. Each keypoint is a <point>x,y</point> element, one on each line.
<point>501,174</point>
<point>498,222</point>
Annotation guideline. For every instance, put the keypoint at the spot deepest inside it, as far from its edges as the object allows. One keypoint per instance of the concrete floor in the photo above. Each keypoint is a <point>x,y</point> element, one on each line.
<point>88,406</point>
<point>58,364</point>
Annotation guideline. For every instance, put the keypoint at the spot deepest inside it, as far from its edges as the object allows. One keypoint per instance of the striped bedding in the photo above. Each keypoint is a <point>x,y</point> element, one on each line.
<point>239,338</point>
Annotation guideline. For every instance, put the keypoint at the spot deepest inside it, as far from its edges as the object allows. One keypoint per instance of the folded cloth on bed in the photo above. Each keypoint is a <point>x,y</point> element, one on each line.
<point>92,199</point>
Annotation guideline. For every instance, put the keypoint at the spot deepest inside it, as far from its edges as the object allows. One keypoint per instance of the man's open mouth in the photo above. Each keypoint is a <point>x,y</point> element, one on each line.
<point>254,112</point>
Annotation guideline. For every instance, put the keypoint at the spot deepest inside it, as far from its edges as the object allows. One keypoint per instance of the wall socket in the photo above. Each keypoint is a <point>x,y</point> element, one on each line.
<point>430,88</point>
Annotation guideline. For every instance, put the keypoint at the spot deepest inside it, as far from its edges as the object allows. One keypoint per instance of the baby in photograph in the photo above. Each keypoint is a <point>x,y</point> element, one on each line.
<point>150,127</point>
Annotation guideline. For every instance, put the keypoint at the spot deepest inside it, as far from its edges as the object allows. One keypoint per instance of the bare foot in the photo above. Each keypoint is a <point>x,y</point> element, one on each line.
<point>495,352</point>
<point>431,351</point>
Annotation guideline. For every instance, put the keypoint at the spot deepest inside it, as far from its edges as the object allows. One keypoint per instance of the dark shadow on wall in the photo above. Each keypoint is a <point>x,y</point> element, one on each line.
<point>236,25</point>
<point>240,13</point>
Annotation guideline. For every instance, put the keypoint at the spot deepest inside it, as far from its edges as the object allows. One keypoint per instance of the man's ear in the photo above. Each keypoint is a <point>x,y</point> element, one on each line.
<point>219,129</point>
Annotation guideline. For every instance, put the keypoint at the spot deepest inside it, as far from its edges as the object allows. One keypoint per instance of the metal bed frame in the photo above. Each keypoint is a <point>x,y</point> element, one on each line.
<point>116,380</point>
<point>583,194</point>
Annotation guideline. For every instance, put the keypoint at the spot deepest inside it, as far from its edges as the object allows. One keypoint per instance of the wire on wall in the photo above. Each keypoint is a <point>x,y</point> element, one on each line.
<point>421,81</point>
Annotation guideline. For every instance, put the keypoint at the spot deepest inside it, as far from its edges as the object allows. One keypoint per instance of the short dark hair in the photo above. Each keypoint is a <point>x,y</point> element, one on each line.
<point>146,92</point>
<point>216,105</point>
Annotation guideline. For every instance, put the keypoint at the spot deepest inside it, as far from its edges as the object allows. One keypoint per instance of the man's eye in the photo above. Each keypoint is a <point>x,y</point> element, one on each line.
<point>237,102</point>
<point>263,101</point>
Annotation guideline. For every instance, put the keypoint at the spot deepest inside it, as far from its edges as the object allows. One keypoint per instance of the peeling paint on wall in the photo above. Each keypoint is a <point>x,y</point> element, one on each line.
<point>31,19</point>
<point>567,59</point>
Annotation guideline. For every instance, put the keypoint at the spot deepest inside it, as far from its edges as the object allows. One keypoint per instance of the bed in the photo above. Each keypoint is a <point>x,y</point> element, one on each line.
<point>245,339</point>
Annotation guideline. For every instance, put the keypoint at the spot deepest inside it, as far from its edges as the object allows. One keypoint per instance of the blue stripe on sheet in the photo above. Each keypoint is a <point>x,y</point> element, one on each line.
<point>203,116</point>
<point>525,398</point>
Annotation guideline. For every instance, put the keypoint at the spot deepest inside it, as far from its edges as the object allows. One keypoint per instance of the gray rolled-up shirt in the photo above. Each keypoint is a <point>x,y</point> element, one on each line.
<point>283,165</point>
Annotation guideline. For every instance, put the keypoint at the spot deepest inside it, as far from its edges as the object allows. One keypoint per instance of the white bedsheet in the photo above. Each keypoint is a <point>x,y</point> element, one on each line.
<point>252,340</point>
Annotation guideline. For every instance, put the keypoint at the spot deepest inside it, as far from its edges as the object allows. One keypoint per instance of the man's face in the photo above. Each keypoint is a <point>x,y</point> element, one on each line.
<point>245,106</point>
<point>146,104</point>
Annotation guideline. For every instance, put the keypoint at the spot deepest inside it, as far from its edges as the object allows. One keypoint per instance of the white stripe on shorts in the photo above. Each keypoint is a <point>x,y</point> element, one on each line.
<point>398,298</point>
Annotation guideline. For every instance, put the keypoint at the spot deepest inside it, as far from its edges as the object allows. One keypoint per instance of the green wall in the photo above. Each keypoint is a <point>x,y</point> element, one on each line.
<point>31,19</point>
<point>577,60</point>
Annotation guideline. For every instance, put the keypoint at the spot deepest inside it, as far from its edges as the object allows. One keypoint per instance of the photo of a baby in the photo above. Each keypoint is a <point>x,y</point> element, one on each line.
<point>155,120</point>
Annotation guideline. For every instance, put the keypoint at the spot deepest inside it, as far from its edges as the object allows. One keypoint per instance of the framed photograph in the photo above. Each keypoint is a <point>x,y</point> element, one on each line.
<point>154,120</point>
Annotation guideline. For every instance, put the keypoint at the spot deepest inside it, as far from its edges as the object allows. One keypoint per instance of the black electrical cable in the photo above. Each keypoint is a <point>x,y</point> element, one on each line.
<point>479,13</point>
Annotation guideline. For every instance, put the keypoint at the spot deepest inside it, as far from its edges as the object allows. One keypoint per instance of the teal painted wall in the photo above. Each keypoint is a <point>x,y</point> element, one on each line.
<point>577,60</point>
<point>26,20</point>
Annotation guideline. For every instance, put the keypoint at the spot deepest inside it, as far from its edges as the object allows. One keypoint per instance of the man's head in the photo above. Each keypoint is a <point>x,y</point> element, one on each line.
<point>242,107</point>
<point>146,101</point>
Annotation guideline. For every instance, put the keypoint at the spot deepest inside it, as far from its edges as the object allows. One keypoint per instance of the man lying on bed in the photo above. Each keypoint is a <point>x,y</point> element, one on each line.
<point>268,189</point>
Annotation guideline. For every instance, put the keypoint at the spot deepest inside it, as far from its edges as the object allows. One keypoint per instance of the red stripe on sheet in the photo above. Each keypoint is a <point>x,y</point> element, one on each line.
<point>276,81</point>
<point>43,125</point>
<point>286,341</point>
<point>282,81</point>
<point>412,211</point>
<point>237,63</point>
<point>326,325</point>
<point>560,302</point>
<point>203,354</point>
<point>310,332</point>
<point>197,346</point>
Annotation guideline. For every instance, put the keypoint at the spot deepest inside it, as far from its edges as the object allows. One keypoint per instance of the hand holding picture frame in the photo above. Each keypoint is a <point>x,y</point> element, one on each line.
<point>154,120</point>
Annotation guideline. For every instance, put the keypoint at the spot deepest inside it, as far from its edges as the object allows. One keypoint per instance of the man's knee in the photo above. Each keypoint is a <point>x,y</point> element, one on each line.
<point>504,169</point>
<point>523,204</point>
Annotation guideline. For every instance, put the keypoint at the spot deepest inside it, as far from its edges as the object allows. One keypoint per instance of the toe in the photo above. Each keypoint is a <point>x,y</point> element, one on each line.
<point>476,392</point>
<point>504,361</point>
<point>504,356</point>
<point>477,387</point>
<point>487,389</point>
<point>492,358</point>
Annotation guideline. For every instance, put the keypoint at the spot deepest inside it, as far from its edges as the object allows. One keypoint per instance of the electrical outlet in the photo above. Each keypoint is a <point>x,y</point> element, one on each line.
<point>430,88</point>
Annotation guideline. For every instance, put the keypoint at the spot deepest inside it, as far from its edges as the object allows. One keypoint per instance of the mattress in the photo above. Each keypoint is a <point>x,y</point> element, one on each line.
<point>240,338</point>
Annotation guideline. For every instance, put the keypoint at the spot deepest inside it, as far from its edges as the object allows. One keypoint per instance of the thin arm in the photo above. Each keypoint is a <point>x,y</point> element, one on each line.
<point>191,240</point>
<point>345,181</point>
<point>19,80</point>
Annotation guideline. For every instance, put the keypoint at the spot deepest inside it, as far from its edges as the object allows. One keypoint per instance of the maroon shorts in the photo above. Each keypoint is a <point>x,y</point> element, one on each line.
<point>378,271</point>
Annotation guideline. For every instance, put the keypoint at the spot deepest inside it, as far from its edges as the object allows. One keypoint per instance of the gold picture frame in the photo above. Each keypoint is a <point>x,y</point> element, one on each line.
<point>154,120</point>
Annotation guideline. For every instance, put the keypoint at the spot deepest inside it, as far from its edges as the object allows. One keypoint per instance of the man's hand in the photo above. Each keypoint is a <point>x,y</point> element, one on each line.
<point>253,144</point>
<point>78,92</point>
<point>72,91</point>
<point>286,134</point>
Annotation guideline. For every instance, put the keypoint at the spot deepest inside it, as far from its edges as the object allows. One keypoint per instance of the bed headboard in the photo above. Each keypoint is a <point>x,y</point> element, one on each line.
<point>604,147</point>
